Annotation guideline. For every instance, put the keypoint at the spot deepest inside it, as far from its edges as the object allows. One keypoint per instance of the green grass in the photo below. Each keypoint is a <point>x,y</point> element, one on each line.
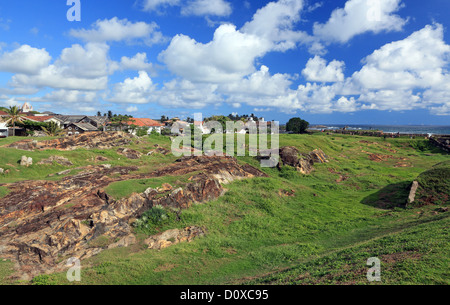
<point>254,229</point>
<point>414,256</point>
<point>4,191</point>
<point>123,189</point>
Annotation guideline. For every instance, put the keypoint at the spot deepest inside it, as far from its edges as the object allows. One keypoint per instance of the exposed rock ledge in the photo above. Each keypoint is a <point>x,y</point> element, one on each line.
<point>100,140</point>
<point>43,223</point>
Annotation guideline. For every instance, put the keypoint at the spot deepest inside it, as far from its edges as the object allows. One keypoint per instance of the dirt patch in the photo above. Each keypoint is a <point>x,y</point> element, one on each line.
<point>380,158</point>
<point>166,267</point>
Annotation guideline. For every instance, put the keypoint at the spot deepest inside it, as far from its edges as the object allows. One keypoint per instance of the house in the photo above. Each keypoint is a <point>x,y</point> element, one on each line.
<point>202,127</point>
<point>95,121</point>
<point>80,128</point>
<point>3,114</point>
<point>43,119</point>
<point>3,130</point>
<point>152,125</point>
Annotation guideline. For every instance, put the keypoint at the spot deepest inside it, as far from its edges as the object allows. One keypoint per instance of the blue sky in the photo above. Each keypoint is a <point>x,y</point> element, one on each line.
<point>328,61</point>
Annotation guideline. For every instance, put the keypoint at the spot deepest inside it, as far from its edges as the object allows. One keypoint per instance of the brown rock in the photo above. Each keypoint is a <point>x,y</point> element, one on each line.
<point>129,153</point>
<point>172,237</point>
<point>57,159</point>
<point>100,140</point>
<point>41,221</point>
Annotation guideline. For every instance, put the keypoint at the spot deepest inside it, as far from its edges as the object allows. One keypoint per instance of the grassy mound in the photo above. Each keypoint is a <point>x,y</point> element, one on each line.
<point>434,186</point>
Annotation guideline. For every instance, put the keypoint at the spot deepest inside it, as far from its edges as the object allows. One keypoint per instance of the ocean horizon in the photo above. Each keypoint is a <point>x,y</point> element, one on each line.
<point>402,129</point>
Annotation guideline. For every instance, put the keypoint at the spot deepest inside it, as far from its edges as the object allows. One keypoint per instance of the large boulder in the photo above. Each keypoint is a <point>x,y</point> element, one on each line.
<point>26,161</point>
<point>302,162</point>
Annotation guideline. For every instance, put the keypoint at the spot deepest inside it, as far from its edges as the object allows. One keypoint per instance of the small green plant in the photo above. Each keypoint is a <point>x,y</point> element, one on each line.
<point>155,218</point>
<point>142,131</point>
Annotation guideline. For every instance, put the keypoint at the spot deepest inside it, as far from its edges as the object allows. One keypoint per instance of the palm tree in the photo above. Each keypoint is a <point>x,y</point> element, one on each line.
<point>52,129</point>
<point>14,117</point>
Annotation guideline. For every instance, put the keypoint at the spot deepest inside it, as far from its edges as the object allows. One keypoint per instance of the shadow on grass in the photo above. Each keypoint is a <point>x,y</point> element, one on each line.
<point>390,197</point>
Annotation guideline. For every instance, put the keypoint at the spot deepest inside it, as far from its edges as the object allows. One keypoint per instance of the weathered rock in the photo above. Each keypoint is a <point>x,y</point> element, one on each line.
<point>26,161</point>
<point>41,221</point>
<point>412,193</point>
<point>2,171</point>
<point>100,140</point>
<point>57,159</point>
<point>173,237</point>
<point>129,153</point>
<point>66,172</point>
<point>290,156</point>
<point>318,156</point>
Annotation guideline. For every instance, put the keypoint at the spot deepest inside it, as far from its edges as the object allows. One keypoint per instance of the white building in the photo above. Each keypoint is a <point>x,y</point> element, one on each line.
<point>3,130</point>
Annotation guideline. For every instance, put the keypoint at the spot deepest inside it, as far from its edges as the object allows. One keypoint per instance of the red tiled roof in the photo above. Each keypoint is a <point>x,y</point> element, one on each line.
<point>38,118</point>
<point>3,113</point>
<point>144,122</point>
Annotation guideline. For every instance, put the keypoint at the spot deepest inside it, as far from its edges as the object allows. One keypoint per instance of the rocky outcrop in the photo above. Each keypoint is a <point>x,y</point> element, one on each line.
<point>129,153</point>
<point>56,159</point>
<point>41,221</point>
<point>302,162</point>
<point>173,237</point>
<point>100,140</point>
<point>26,161</point>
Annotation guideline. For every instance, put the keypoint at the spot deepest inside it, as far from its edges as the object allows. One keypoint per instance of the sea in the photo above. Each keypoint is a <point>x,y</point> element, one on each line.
<point>402,129</point>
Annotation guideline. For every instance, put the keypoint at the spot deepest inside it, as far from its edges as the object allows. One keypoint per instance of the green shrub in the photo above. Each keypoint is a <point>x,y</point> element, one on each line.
<point>155,218</point>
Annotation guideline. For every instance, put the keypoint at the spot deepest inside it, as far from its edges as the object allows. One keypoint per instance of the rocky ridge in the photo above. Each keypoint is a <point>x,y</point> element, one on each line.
<point>44,221</point>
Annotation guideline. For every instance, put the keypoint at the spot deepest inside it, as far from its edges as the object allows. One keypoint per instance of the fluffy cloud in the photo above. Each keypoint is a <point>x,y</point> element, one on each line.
<point>78,68</point>
<point>396,100</point>
<point>186,94</point>
<point>228,57</point>
<point>275,22</point>
<point>415,62</point>
<point>207,8</point>
<point>191,7</point>
<point>120,30</point>
<point>139,62</point>
<point>317,70</point>
<point>153,5</point>
<point>360,16</point>
<point>133,90</point>
<point>25,59</point>
<point>346,105</point>
<point>260,83</point>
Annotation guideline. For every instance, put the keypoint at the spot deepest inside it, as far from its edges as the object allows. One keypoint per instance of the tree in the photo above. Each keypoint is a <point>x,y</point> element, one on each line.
<point>14,117</point>
<point>297,125</point>
<point>52,129</point>
<point>110,114</point>
<point>120,120</point>
<point>99,113</point>
<point>133,127</point>
<point>142,131</point>
<point>163,118</point>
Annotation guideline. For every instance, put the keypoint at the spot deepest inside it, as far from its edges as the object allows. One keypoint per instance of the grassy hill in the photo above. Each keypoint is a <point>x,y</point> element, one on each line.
<point>288,228</point>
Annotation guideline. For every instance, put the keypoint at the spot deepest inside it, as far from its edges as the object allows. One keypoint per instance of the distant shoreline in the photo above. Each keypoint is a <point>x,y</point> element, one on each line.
<point>402,129</point>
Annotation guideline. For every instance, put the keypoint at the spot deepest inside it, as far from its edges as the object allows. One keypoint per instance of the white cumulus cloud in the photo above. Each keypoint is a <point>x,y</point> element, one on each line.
<point>317,70</point>
<point>358,17</point>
